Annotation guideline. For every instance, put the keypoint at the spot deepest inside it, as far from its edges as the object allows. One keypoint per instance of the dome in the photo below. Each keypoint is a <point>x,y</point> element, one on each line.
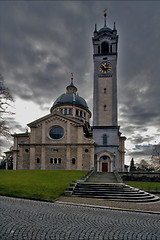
<point>105,29</point>
<point>71,99</point>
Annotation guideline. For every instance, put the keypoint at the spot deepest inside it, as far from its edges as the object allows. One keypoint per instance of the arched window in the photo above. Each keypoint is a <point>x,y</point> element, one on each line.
<point>104,139</point>
<point>99,49</point>
<point>105,108</point>
<point>111,48</point>
<point>76,112</point>
<point>70,111</point>
<point>38,160</point>
<point>59,160</point>
<point>55,160</point>
<point>73,161</point>
<point>105,90</point>
<point>51,160</point>
<point>105,47</point>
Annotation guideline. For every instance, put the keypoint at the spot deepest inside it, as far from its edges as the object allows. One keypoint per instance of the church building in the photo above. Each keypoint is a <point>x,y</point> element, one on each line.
<point>64,139</point>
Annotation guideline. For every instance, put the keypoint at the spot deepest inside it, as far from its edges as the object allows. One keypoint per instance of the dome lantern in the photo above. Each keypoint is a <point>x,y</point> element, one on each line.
<point>71,88</point>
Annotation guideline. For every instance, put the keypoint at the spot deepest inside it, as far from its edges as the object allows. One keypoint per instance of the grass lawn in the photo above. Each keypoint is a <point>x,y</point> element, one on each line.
<point>146,186</point>
<point>42,184</point>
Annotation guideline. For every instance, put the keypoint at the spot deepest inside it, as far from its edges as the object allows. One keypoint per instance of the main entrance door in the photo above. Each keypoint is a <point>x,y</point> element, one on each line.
<point>104,167</point>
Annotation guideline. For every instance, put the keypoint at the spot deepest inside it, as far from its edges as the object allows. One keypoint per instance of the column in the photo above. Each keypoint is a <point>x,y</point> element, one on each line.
<point>32,150</point>
<point>79,158</point>
<point>32,158</point>
<point>43,158</point>
<point>43,154</point>
<point>68,157</point>
<point>92,157</point>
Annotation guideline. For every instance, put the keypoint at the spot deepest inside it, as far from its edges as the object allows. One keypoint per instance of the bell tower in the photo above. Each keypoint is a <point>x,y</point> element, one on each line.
<point>105,76</point>
<point>106,133</point>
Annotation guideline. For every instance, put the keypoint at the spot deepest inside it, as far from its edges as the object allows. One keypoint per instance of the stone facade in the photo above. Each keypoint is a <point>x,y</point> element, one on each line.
<point>37,150</point>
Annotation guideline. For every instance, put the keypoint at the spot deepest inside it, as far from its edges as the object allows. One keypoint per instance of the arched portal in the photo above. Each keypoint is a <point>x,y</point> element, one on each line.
<point>104,162</point>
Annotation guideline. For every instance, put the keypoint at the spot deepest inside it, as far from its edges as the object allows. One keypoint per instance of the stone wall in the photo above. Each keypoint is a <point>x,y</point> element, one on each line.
<point>145,177</point>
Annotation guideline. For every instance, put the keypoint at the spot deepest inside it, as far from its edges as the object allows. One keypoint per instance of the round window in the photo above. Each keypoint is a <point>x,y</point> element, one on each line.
<point>56,132</point>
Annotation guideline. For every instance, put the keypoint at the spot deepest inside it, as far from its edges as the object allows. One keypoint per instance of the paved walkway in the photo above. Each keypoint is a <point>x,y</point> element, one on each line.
<point>27,219</point>
<point>153,207</point>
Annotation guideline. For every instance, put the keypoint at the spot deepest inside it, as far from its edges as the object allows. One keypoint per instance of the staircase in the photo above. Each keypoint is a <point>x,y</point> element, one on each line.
<point>102,177</point>
<point>105,186</point>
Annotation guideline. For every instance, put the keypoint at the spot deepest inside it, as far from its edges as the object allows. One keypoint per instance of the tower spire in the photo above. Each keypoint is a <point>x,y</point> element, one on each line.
<point>95,28</point>
<point>114,26</point>
<point>105,15</point>
<point>72,78</point>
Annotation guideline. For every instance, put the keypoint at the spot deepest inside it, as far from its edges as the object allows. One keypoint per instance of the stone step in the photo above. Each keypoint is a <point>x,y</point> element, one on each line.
<point>105,192</point>
<point>122,199</point>
<point>102,177</point>
<point>114,192</point>
<point>132,195</point>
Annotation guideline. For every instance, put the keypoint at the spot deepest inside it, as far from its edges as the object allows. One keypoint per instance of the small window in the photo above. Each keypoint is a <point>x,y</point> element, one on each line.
<point>26,150</point>
<point>38,160</point>
<point>51,160</point>
<point>73,161</point>
<point>104,139</point>
<point>55,150</point>
<point>86,150</point>
<point>55,160</point>
<point>65,111</point>
<point>77,112</point>
<point>105,108</point>
<point>105,90</point>
<point>59,160</point>
<point>61,111</point>
<point>84,114</point>
<point>80,113</point>
<point>70,111</point>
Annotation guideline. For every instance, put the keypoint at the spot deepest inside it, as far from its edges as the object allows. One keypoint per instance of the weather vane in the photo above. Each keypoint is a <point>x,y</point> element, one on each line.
<point>105,15</point>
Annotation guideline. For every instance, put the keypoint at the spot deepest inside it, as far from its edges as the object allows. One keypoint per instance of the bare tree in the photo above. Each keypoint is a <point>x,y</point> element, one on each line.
<point>155,159</point>
<point>5,99</point>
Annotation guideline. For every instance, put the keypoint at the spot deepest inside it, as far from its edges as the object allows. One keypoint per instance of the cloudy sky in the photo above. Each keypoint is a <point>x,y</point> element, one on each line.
<point>42,42</point>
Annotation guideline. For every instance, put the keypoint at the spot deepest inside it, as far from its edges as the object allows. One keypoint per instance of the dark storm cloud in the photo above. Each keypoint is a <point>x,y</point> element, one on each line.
<point>139,73</point>
<point>40,45</point>
<point>139,139</point>
<point>42,42</point>
<point>144,153</point>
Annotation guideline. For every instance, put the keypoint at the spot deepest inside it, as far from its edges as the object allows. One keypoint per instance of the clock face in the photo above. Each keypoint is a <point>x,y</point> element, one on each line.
<point>105,67</point>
